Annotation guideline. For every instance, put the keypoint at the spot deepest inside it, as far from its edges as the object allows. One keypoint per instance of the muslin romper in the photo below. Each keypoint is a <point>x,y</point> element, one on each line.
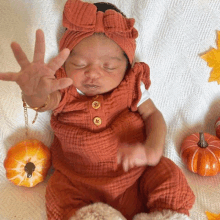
<point>87,134</point>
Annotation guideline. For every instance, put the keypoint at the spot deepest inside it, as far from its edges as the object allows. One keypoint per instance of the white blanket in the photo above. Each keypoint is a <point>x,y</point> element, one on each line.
<point>172,36</point>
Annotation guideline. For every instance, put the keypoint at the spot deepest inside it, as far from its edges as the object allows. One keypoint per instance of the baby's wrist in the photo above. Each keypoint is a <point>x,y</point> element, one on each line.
<point>153,155</point>
<point>35,102</point>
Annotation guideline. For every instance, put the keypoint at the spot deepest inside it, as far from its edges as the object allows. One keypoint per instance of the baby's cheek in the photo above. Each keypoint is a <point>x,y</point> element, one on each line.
<point>112,82</point>
<point>76,76</point>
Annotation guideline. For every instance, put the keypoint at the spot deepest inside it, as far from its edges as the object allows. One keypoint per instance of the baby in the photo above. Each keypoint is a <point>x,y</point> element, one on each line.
<point>109,136</point>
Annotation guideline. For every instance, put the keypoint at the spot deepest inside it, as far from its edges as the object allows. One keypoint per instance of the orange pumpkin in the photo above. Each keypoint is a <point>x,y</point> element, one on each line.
<point>217,127</point>
<point>201,153</point>
<point>27,163</point>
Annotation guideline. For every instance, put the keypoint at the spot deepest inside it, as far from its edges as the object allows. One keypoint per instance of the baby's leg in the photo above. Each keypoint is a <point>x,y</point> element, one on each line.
<point>62,198</point>
<point>164,187</point>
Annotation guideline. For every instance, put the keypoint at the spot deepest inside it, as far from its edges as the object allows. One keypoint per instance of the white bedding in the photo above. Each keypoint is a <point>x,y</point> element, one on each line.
<point>172,35</point>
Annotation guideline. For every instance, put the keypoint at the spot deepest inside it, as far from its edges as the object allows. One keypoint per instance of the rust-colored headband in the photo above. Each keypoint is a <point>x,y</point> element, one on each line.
<point>83,20</point>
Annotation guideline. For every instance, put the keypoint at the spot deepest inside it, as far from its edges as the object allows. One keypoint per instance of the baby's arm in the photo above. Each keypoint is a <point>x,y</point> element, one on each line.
<point>155,131</point>
<point>151,151</point>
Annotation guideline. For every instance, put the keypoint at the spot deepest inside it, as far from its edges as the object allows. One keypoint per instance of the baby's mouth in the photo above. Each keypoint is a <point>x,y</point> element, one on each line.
<point>91,86</point>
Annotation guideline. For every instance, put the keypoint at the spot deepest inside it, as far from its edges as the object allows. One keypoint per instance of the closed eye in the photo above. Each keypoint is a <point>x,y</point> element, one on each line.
<point>78,65</point>
<point>110,68</point>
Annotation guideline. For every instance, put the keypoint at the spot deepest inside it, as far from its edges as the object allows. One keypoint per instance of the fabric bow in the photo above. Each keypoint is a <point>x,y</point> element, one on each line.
<point>83,16</point>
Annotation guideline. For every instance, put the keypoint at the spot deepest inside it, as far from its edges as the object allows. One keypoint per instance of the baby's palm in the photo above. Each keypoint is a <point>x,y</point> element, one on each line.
<point>37,78</point>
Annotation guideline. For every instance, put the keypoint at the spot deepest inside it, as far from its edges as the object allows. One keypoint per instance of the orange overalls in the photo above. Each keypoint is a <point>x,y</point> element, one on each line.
<point>88,132</point>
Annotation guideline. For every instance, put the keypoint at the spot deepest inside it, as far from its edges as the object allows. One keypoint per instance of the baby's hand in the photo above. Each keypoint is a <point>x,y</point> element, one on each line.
<point>132,156</point>
<point>37,78</point>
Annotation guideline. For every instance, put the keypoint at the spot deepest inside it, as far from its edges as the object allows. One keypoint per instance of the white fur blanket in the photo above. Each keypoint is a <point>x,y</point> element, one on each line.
<point>172,35</point>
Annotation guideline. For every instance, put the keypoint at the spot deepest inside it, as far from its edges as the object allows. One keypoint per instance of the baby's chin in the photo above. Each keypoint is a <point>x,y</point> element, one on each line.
<point>96,93</point>
<point>91,93</point>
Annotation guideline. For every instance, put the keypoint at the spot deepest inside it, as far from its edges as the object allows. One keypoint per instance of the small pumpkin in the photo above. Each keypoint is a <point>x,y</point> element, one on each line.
<point>27,163</point>
<point>217,127</point>
<point>201,153</point>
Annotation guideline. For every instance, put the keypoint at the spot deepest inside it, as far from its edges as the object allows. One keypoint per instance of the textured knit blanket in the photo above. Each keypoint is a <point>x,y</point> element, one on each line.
<point>172,36</point>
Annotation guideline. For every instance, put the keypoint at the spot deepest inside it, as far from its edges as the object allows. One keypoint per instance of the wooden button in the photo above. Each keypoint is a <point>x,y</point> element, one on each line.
<point>96,104</point>
<point>97,121</point>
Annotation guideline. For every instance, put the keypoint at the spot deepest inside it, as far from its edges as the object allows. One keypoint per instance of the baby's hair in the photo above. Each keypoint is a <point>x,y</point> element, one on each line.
<point>103,6</point>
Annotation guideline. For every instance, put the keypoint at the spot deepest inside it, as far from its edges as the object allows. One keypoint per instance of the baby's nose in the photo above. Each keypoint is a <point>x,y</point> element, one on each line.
<point>93,72</point>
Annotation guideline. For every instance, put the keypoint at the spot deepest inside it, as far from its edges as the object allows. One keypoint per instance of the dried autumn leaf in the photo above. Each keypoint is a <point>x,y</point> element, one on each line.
<point>212,216</point>
<point>212,57</point>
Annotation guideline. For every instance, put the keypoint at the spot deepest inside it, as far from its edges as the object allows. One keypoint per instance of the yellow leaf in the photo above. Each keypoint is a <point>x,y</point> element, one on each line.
<point>212,57</point>
<point>212,216</point>
<point>214,76</point>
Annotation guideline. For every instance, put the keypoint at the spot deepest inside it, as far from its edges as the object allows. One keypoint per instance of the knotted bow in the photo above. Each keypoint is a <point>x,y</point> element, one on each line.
<point>82,20</point>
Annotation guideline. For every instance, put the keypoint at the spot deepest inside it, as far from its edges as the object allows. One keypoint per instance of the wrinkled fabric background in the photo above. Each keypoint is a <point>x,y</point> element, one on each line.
<point>172,36</point>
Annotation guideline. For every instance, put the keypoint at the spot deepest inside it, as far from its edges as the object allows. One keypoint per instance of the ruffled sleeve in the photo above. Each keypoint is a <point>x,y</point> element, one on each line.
<point>139,73</point>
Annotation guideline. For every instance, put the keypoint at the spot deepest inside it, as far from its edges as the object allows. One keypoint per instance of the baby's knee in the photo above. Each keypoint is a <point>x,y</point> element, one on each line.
<point>169,169</point>
<point>167,178</point>
<point>165,170</point>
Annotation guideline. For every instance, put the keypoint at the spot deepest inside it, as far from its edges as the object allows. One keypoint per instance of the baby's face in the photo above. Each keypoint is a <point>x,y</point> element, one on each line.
<point>96,65</point>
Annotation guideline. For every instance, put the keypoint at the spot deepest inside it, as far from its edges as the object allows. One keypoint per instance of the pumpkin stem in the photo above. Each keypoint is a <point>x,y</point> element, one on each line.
<point>202,142</point>
<point>29,169</point>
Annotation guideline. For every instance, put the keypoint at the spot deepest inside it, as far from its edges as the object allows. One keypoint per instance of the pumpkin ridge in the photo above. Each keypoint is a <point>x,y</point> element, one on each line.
<point>43,168</point>
<point>211,163</point>
<point>202,154</point>
<point>185,148</point>
<point>194,145</point>
<point>218,147</point>
<point>38,173</point>
<point>205,169</point>
<point>195,135</point>
<point>205,136</point>
<point>39,161</point>
<point>214,141</point>
<point>213,154</point>
<point>193,160</point>
<point>19,162</point>
<point>37,152</point>
<point>21,178</point>
<point>18,169</point>
<point>190,141</point>
<point>217,124</point>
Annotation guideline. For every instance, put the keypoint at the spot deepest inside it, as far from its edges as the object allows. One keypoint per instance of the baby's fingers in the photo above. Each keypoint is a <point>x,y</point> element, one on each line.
<point>131,164</point>
<point>39,51</point>
<point>120,156</point>
<point>61,84</point>
<point>59,60</point>
<point>19,55</point>
<point>9,76</point>
<point>125,164</point>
